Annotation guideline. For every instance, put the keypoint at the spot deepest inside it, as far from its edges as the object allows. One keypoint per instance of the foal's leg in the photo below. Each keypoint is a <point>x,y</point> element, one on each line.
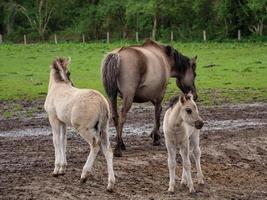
<point>155,133</point>
<point>55,124</point>
<point>63,144</point>
<point>126,105</point>
<point>94,148</point>
<point>171,147</point>
<point>184,151</point>
<point>197,154</point>
<point>107,151</point>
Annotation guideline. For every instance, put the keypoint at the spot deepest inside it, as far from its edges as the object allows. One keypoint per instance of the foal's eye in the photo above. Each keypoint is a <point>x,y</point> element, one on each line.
<point>188,110</point>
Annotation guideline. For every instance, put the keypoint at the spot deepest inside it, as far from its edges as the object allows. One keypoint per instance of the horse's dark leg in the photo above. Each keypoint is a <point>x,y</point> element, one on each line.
<point>115,118</point>
<point>126,105</point>
<point>155,134</point>
<point>114,112</point>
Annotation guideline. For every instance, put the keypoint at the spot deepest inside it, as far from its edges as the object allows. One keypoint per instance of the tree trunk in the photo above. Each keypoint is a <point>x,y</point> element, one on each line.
<point>226,27</point>
<point>154,27</point>
<point>261,27</point>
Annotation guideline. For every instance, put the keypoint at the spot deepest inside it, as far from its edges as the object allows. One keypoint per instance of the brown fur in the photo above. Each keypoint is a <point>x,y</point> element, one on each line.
<point>140,73</point>
<point>84,109</point>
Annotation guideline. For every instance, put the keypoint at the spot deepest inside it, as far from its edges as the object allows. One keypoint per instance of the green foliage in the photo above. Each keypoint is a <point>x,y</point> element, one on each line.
<point>122,18</point>
<point>239,74</point>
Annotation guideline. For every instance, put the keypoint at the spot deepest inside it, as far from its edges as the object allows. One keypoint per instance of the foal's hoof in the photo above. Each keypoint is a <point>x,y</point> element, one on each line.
<point>192,191</point>
<point>171,191</point>
<point>55,174</point>
<point>110,189</point>
<point>201,182</point>
<point>83,180</point>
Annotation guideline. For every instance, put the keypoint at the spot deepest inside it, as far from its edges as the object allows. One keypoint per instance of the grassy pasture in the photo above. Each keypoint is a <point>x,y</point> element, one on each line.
<point>239,74</point>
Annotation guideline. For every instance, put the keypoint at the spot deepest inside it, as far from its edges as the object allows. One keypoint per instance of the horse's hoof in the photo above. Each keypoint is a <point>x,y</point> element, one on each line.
<point>171,191</point>
<point>156,143</point>
<point>192,192</point>
<point>201,182</point>
<point>83,180</point>
<point>55,174</point>
<point>183,184</point>
<point>110,189</point>
<point>61,174</point>
<point>123,146</point>
<point>117,153</point>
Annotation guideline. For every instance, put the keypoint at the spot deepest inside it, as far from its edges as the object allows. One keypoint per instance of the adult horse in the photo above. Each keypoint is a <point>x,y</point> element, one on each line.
<point>140,74</point>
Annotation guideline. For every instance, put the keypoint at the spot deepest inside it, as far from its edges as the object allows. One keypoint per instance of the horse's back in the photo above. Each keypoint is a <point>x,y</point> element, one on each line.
<point>88,107</point>
<point>78,106</point>
<point>143,71</point>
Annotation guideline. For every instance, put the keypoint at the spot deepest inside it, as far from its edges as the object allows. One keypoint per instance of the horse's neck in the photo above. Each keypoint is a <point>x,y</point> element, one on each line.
<point>177,119</point>
<point>55,84</point>
<point>51,81</point>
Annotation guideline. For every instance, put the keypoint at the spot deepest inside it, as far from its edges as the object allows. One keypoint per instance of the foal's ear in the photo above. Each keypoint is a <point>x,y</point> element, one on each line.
<point>56,65</point>
<point>193,62</point>
<point>66,62</point>
<point>182,99</point>
<point>190,94</point>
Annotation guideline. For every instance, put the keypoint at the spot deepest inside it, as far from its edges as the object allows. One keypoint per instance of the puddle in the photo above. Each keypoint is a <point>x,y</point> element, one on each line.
<point>239,124</point>
<point>141,129</point>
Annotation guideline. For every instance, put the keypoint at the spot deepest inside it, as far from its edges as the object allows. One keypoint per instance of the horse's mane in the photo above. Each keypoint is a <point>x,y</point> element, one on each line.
<point>147,42</point>
<point>62,62</point>
<point>181,61</point>
<point>151,42</point>
<point>173,101</point>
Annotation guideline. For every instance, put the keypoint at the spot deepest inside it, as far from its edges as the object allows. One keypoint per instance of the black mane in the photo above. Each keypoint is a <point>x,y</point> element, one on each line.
<point>181,61</point>
<point>173,101</point>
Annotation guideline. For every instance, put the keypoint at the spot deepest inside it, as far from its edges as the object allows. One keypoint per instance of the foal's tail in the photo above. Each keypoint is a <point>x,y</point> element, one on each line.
<point>103,125</point>
<point>110,69</point>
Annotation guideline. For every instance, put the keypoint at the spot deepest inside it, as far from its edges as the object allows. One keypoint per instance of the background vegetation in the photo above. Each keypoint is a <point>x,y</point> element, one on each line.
<point>226,72</point>
<point>40,19</point>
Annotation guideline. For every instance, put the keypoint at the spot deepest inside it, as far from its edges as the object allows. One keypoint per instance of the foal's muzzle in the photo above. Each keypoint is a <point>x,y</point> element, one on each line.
<point>199,124</point>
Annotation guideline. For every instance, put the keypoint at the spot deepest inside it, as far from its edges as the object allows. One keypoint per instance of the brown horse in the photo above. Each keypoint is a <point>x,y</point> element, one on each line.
<point>140,74</point>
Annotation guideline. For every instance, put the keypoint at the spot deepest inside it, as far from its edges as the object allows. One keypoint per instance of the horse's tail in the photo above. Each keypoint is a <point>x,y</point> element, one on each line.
<point>110,69</point>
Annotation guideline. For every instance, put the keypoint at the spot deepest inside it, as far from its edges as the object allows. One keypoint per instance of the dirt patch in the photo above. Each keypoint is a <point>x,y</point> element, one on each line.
<point>234,160</point>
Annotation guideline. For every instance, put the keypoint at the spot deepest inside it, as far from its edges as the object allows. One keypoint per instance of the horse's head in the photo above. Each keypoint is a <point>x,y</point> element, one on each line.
<point>189,111</point>
<point>60,68</point>
<point>183,69</point>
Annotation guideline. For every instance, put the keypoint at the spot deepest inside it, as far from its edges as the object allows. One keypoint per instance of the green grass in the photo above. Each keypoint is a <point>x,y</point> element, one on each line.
<point>240,74</point>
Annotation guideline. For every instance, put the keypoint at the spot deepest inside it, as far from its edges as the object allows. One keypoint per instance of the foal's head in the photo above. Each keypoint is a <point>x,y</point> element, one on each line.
<point>188,110</point>
<point>60,69</point>
<point>183,69</point>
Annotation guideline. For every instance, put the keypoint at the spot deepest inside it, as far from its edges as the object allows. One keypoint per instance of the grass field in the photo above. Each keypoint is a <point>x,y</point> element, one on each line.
<point>239,74</point>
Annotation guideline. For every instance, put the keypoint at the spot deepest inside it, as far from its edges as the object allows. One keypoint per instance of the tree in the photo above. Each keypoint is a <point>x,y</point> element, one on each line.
<point>40,17</point>
<point>259,10</point>
<point>10,9</point>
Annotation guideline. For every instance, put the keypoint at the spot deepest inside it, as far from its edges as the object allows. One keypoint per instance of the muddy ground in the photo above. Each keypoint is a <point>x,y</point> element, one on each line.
<point>234,158</point>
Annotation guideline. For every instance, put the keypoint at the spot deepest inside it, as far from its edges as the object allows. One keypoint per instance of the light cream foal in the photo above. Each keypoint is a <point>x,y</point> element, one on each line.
<point>181,127</point>
<point>84,109</point>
